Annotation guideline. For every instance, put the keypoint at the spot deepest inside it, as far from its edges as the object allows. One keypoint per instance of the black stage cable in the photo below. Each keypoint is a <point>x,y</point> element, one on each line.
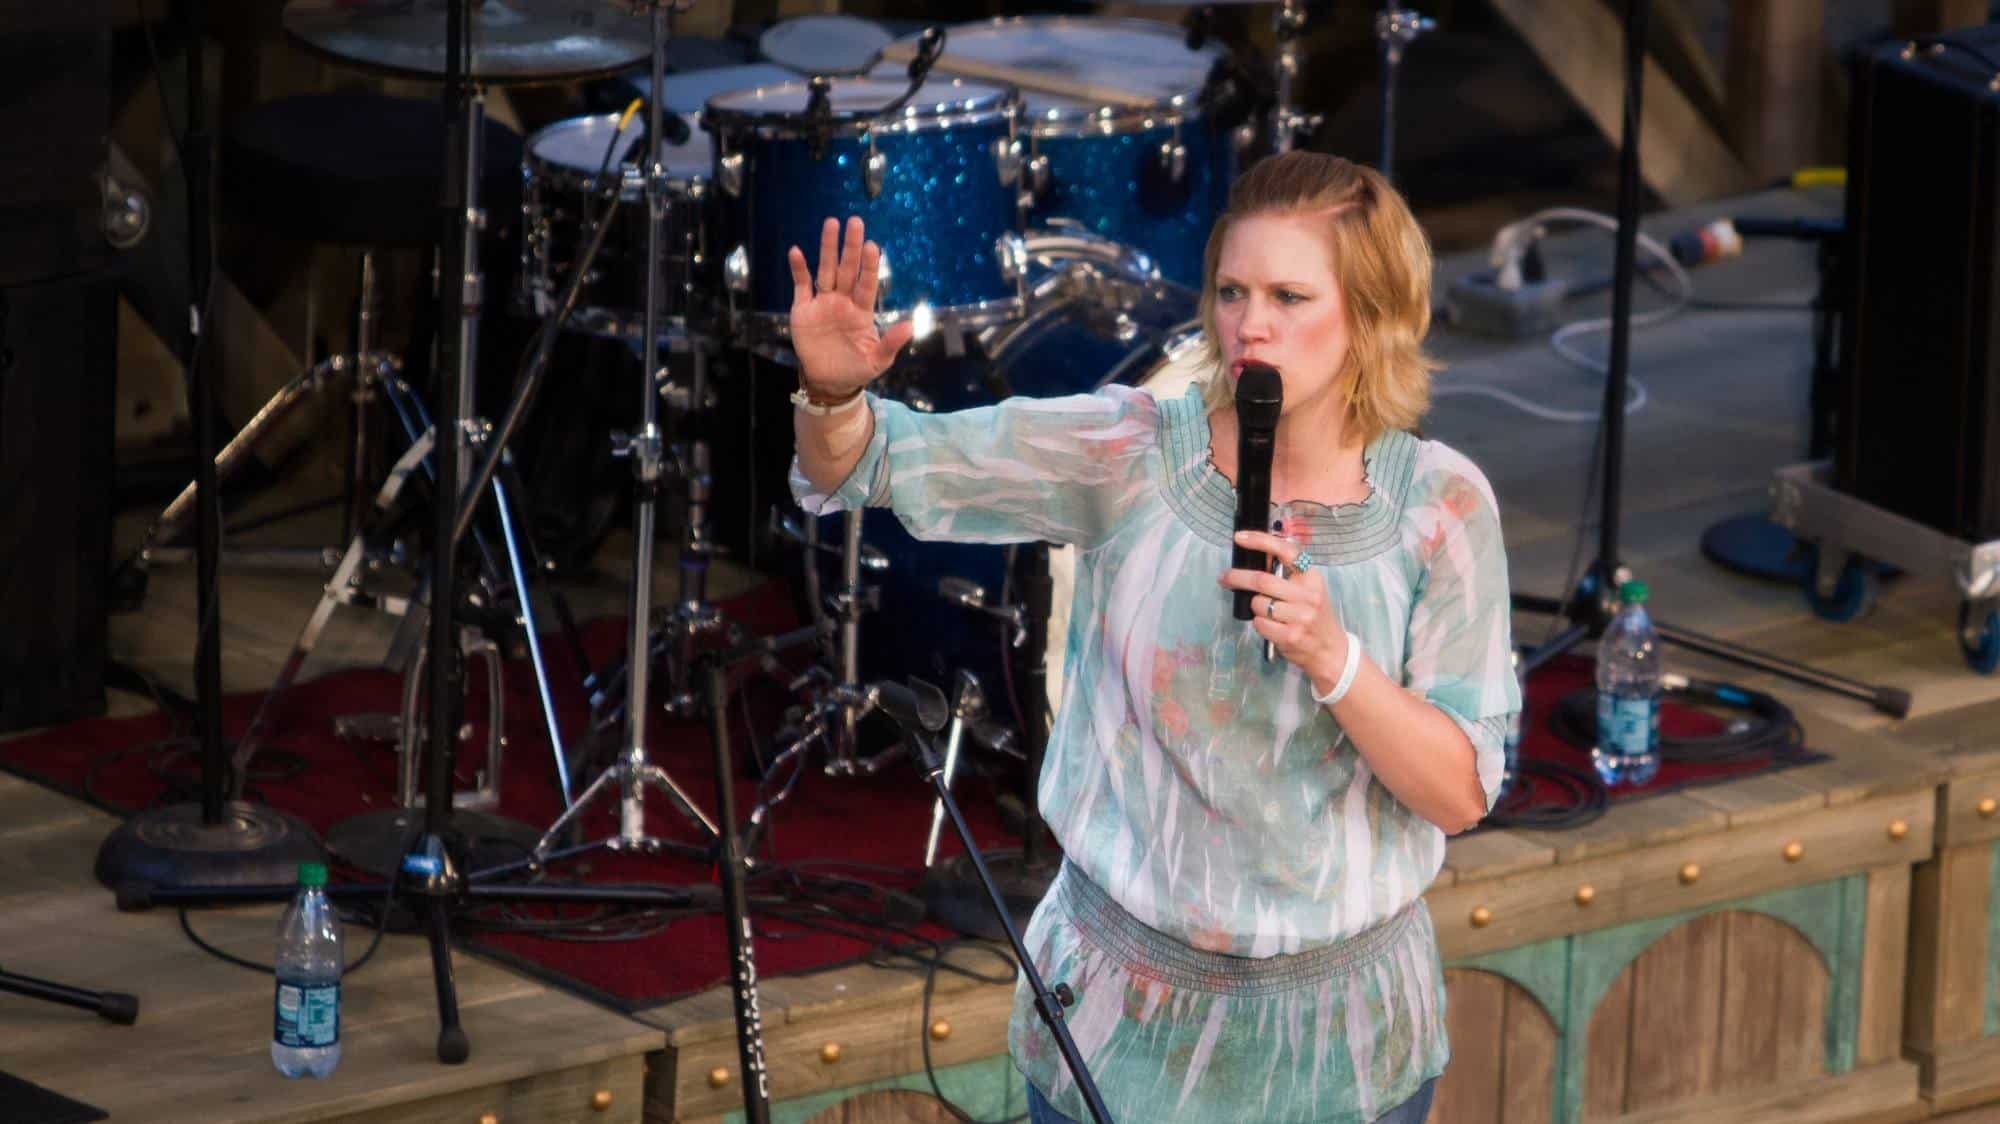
<point>1764,727</point>
<point>1584,798</point>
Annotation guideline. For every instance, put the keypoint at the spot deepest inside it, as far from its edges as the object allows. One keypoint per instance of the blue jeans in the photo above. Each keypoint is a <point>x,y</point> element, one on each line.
<point>1413,1111</point>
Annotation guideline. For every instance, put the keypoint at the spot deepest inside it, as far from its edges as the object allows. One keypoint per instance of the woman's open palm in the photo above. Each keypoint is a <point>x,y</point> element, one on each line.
<point>833,314</point>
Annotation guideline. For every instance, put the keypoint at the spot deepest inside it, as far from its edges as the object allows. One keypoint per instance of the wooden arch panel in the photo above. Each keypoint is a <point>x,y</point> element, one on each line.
<point>1503,1053</point>
<point>1727,1001</point>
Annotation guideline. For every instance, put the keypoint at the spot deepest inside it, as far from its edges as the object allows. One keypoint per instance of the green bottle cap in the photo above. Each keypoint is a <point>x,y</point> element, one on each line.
<point>1633,593</point>
<point>312,874</point>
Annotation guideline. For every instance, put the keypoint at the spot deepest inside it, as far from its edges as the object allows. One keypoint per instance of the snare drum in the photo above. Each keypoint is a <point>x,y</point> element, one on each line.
<point>562,201</point>
<point>1154,177</point>
<point>936,184</point>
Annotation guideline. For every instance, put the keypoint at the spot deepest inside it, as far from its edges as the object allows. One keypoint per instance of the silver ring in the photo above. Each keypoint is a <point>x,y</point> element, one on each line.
<point>1271,607</point>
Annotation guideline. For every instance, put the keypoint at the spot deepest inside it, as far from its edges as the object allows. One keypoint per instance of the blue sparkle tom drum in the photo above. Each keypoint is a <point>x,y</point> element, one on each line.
<point>936,181</point>
<point>1150,169</point>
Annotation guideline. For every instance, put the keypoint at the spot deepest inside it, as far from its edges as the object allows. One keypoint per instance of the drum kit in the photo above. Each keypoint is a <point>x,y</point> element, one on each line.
<point>1042,188</point>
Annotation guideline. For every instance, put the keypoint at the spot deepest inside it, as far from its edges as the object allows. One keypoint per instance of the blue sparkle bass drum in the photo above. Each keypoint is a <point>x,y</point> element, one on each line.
<point>1118,136</point>
<point>937,180</point>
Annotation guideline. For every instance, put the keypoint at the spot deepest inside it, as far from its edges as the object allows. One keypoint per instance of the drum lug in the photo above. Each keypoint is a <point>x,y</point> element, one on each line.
<point>872,173</point>
<point>1007,159</point>
<point>1173,160</point>
<point>1243,138</point>
<point>730,171</point>
<point>1038,174</point>
<point>736,270</point>
<point>1011,252</point>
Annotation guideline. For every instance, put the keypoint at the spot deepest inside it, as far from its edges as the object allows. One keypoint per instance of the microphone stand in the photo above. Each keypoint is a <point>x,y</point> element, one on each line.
<point>217,840</point>
<point>920,710</point>
<point>1590,607</point>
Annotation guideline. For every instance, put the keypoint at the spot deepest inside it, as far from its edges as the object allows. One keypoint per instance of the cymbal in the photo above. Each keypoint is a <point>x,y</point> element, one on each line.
<point>514,42</point>
<point>833,45</point>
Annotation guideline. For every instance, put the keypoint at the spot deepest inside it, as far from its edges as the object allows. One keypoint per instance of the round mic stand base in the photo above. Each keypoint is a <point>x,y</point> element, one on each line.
<point>1752,544</point>
<point>955,898</point>
<point>172,846</point>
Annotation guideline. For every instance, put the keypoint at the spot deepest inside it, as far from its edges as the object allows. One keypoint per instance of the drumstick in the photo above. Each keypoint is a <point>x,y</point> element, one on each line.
<point>949,63</point>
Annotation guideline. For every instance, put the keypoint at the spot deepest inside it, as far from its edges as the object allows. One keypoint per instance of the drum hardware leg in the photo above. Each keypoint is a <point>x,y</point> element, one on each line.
<point>172,522</point>
<point>632,774</point>
<point>1396,27</point>
<point>849,604</point>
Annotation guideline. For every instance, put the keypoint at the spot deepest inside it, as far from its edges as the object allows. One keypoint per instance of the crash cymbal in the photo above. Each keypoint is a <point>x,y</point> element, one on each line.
<point>514,42</point>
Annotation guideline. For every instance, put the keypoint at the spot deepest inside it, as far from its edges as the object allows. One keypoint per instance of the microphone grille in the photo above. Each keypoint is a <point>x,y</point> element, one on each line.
<point>1260,395</point>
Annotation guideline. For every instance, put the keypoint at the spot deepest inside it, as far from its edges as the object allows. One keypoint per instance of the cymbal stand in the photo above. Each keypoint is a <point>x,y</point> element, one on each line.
<point>631,774</point>
<point>1396,27</point>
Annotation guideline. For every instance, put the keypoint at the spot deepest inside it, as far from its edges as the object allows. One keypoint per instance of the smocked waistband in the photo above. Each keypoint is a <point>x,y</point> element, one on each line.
<point>1148,952</point>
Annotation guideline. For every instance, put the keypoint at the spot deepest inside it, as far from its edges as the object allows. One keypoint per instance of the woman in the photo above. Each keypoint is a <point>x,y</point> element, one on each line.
<point>1246,842</point>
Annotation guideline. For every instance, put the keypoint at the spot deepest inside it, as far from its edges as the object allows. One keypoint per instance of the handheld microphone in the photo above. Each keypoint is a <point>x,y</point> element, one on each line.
<point>1260,394</point>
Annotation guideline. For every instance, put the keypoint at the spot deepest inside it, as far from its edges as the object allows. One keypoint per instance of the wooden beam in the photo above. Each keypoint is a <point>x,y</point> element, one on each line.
<point>1775,51</point>
<point>1681,156</point>
<point>1676,42</point>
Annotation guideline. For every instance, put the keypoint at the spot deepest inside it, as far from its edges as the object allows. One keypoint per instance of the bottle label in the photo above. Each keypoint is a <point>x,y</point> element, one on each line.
<point>307,1017</point>
<point>1627,726</point>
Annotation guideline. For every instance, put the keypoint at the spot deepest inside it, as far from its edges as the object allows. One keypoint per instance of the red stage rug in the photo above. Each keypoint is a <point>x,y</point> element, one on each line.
<point>1540,743</point>
<point>866,828</point>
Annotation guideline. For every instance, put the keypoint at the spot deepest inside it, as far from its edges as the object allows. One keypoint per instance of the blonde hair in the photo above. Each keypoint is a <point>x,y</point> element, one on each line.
<point>1382,263</point>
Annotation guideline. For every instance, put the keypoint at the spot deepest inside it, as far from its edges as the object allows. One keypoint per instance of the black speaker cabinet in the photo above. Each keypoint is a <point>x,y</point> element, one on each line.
<point>57,355</point>
<point>1919,419</point>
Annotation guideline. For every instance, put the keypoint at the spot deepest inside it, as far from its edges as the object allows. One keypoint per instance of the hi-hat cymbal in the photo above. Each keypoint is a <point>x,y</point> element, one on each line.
<point>514,42</point>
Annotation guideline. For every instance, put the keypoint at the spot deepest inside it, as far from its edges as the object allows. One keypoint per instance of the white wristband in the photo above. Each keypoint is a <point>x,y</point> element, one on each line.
<point>1347,673</point>
<point>805,402</point>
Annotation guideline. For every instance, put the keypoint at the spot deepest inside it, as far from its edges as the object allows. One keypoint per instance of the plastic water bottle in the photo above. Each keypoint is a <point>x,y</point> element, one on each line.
<point>1628,694</point>
<point>305,1031</point>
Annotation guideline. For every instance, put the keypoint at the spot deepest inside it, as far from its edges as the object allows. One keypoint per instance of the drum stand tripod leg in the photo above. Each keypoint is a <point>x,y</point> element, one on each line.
<point>365,366</point>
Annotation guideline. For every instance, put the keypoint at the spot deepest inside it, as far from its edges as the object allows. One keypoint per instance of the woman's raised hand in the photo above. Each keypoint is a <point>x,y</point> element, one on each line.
<point>833,314</point>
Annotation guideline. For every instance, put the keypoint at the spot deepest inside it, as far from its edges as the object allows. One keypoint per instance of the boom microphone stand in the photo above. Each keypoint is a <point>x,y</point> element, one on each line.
<point>920,710</point>
<point>1592,604</point>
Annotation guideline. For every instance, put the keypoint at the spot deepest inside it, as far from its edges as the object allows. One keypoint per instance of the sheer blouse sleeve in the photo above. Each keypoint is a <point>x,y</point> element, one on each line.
<point>1461,625</point>
<point>1029,469</point>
